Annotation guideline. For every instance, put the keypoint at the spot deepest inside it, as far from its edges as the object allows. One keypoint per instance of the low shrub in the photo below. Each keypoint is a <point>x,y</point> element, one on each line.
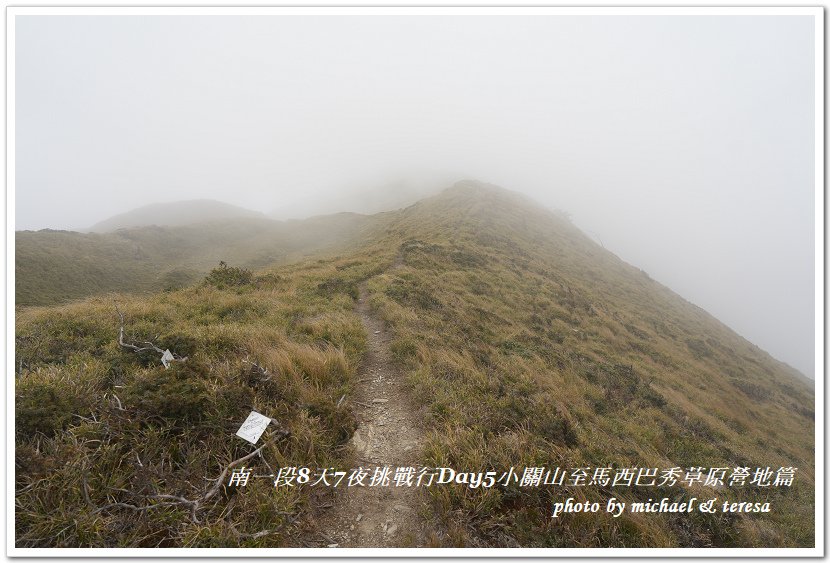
<point>229,276</point>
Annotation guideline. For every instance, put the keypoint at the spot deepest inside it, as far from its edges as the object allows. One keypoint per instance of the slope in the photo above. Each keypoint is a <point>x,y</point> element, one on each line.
<point>57,266</point>
<point>523,343</point>
<point>175,214</point>
<point>534,347</point>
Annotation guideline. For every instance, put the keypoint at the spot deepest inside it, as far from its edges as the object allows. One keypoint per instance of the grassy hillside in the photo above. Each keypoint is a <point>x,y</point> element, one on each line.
<point>533,346</point>
<point>175,214</point>
<point>526,345</point>
<point>102,431</point>
<point>54,267</point>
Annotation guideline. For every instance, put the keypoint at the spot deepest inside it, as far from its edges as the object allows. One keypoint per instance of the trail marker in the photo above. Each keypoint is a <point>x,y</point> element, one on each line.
<point>253,427</point>
<point>166,358</point>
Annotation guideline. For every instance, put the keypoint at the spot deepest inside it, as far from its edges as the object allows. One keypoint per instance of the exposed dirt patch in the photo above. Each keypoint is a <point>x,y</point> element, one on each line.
<point>389,434</point>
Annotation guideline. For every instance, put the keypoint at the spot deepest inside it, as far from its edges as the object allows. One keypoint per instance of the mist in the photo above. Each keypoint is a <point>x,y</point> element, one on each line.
<point>683,144</point>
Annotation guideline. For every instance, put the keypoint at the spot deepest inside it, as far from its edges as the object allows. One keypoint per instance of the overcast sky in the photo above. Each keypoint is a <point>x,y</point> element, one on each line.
<point>685,144</point>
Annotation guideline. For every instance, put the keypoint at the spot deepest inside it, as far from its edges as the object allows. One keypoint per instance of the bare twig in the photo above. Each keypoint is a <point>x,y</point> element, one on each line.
<point>150,346</point>
<point>261,373</point>
<point>268,465</point>
<point>85,487</point>
<point>145,345</point>
<point>193,504</point>
<point>196,504</point>
<point>290,520</point>
<point>132,506</point>
<point>215,489</point>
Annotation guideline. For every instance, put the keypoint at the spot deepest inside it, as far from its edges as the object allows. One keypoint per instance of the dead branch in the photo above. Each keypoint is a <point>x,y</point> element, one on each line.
<point>120,407</point>
<point>194,505</point>
<point>85,487</point>
<point>291,517</point>
<point>268,465</point>
<point>257,373</point>
<point>132,506</point>
<point>215,489</point>
<point>146,346</point>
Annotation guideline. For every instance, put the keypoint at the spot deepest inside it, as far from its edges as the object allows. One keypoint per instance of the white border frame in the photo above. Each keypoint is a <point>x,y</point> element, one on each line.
<point>818,551</point>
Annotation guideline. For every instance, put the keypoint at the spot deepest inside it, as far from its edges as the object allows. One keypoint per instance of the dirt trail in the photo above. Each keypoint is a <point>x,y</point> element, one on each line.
<point>388,434</point>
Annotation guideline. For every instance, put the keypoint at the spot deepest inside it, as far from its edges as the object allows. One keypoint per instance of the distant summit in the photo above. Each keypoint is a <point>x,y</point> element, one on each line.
<point>175,214</point>
<point>366,201</point>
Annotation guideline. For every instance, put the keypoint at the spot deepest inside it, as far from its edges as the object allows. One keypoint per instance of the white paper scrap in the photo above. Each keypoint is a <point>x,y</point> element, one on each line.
<point>166,358</point>
<point>253,427</point>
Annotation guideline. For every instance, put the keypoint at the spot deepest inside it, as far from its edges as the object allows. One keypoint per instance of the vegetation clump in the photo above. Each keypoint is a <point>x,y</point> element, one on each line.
<point>229,276</point>
<point>178,395</point>
<point>46,409</point>
<point>337,285</point>
<point>114,450</point>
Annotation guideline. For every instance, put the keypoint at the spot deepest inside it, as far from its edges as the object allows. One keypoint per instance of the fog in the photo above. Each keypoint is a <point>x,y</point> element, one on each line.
<point>685,145</point>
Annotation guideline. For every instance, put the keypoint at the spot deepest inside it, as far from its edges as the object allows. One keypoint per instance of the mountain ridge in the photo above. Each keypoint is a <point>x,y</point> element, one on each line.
<point>523,344</point>
<point>174,214</point>
<point>54,266</point>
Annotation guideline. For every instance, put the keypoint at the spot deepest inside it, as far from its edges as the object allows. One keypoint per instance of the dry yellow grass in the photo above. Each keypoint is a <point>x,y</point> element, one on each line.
<point>525,342</point>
